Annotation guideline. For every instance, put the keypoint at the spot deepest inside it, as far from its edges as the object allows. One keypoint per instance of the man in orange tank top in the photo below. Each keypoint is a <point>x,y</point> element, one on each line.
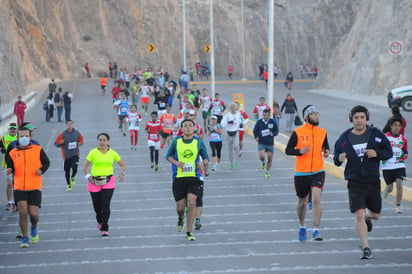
<point>307,143</point>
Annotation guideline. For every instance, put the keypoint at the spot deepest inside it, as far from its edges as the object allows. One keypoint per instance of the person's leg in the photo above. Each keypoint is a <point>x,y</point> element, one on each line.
<point>236,148</point>
<point>23,208</point>
<point>191,210</point>
<point>136,137</point>
<point>269,162</point>
<point>9,189</point>
<point>152,155</point>
<point>67,166</point>
<point>213,149</point>
<point>106,197</point>
<point>317,207</point>
<point>180,209</point>
<point>361,227</point>
<point>301,210</point>
<point>69,111</point>
<point>74,165</point>
<point>156,157</point>
<point>399,191</point>
<point>262,156</point>
<point>131,138</point>
<point>389,188</point>
<point>34,215</point>
<point>230,142</point>
<point>96,199</point>
<point>218,151</point>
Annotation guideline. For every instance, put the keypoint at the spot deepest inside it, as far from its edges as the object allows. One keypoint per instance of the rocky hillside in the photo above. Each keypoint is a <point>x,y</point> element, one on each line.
<point>346,39</point>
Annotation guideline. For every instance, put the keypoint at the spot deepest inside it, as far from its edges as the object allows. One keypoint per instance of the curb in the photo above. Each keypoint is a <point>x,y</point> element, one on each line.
<point>248,81</point>
<point>330,167</point>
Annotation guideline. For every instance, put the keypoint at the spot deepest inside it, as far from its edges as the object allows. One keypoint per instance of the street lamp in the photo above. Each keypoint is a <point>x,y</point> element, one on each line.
<point>270,53</point>
<point>212,52</point>
<point>184,34</point>
<point>243,43</point>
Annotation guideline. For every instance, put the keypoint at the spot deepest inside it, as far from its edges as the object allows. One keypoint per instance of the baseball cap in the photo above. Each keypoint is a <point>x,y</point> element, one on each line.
<point>27,125</point>
<point>213,117</point>
<point>13,125</point>
<point>186,111</point>
<point>191,112</point>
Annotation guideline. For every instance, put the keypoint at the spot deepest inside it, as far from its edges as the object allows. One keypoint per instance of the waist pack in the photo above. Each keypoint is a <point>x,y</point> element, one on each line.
<point>231,133</point>
<point>101,180</point>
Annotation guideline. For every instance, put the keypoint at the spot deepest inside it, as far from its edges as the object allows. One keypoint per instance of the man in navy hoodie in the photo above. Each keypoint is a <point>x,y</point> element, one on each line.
<point>363,147</point>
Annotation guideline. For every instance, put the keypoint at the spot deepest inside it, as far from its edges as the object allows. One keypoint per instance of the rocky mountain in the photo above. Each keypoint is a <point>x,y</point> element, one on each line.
<point>347,40</point>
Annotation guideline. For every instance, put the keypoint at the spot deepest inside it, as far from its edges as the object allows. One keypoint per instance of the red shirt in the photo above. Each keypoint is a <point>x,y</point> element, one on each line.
<point>115,92</point>
<point>19,107</point>
<point>153,129</point>
<point>266,75</point>
<point>198,129</point>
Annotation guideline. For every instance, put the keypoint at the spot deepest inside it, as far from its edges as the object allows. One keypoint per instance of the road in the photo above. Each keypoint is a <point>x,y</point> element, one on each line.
<point>249,222</point>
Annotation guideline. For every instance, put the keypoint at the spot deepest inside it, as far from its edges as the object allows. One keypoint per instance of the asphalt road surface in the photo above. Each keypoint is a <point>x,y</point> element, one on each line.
<point>249,222</point>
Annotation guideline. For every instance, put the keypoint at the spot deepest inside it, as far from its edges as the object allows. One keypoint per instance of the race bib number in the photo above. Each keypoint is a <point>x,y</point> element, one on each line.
<point>162,105</point>
<point>265,132</point>
<point>360,149</point>
<point>123,110</point>
<point>72,145</point>
<point>214,136</point>
<point>153,136</point>
<point>216,110</point>
<point>188,168</point>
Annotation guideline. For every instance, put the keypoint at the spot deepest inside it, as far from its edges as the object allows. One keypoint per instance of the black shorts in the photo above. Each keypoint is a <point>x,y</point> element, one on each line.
<point>121,117</point>
<point>183,186</point>
<point>33,197</point>
<point>199,199</point>
<point>164,134</point>
<point>103,87</point>
<point>391,175</point>
<point>365,195</point>
<point>303,184</point>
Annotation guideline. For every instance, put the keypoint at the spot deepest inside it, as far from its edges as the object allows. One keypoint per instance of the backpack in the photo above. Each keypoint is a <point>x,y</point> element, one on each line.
<point>56,98</point>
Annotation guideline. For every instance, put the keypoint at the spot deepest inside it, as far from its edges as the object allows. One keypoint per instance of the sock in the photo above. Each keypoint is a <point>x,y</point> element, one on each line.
<point>316,229</point>
<point>197,220</point>
<point>188,233</point>
<point>398,204</point>
<point>302,226</point>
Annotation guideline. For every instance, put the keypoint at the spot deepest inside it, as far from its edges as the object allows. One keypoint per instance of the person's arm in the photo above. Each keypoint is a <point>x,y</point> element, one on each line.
<point>339,154</point>
<point>80,140</point>
<point>45,162</point>
<point>123,169</point>
<point>223,105</point>
<point>325,147</point>
<point>384,151</point>
<point>256,131</point>
<point>59,140</point>
<point>2,148</point>
<point>15,106</point>
<point>9,161</point>
<point>283,106</point>
<point>295,106</point>
<point>386,128</point>
<point>223,123</point>
<point>275,129</point>
<point>291,146</point>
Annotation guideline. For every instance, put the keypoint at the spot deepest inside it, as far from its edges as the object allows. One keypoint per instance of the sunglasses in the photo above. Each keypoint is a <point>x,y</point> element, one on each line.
<point>12,128</point>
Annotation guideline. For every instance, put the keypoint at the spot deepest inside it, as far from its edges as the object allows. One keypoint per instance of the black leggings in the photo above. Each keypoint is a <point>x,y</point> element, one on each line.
<point>71,163</point>
<point>101,204</point>
<point>154,155</point>
<point>216,148</point>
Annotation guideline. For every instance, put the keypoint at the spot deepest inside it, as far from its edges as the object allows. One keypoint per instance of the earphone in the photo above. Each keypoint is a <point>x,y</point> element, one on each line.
<point>356,109</point>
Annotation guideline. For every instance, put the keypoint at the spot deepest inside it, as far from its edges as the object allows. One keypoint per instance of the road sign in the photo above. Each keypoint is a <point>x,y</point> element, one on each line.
<point>267,49</point>
<point>240,98</point>
<point>395,47</point>
<point>207,48</point>
<point>151,47</point>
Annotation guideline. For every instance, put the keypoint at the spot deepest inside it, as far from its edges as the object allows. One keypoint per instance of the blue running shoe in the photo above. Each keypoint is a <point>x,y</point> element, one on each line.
<point>316,236</point>
<point>302,234</point>
<point>309,205</point>
<point>25,242</point>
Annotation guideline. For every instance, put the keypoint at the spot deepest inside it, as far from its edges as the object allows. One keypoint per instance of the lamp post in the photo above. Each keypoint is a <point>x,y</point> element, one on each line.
<point>184,33</point>
<point>243,43</point>
<point>270,53</point>
<point>212,55</point>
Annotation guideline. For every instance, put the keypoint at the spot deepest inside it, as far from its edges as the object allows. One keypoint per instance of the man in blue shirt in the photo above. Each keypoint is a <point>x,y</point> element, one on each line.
<point>264,132</point>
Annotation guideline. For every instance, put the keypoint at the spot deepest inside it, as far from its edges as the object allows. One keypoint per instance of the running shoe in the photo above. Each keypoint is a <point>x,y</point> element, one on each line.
<point>236,165</point>
<point>25,242</point>
<point>105,233</point>
<point>179,225</point>
<point>385,194</point>
<point>124,134</point>
<point>367,253</point>
<point>156,167</point>
<point>302,234</point>
<point>316,236</point>
<point>73,181</point>
<point>152,165</point>
<point>99,227</point>
<point>368,224</point>
<point>232,166</point>
<point>218,167</point>
<point>34,235</point>
<point>267,174</point>
<point>263,166</point>
<point>9,207</point>
<point>240,153</point>
<point>15,209</point>
<point>131,148</point>
<point>19,235</point>
<point>69,188</point>
<point>310,205</point>
<point>398,209</point>
<point>198,226</point>
<point>214,168</point>
<point>120,127</point>
<point>190,237</point>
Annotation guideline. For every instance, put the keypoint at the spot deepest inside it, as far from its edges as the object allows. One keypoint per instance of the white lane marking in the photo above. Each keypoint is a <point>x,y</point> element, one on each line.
<point>184,258</point>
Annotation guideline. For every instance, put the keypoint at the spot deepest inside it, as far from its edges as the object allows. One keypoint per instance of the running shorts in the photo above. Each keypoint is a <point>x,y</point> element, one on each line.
<point>304,183</point>
<point>164,134</point>
<point>154,144</point>
<point>391,175</point>
<point>365,195</point>
<point>183,186</point>
<point>267,148</point>
<point>145,100</point>
<point>33,197</point>
<point>205,114</point>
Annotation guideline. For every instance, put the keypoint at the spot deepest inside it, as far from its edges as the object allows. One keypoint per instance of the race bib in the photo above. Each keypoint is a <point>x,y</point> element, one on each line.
<point>216,110</point>
<point>265,132</point>
<point>153,136</point>
<point>72,145</point>
<point>123,110</point>
<point>214,136</point>
<point>188,168</point>
<point>162,105</point>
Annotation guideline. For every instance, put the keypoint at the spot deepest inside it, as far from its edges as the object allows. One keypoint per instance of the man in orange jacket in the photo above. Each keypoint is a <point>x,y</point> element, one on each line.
<point>307,143</point>
<point>28,162</point>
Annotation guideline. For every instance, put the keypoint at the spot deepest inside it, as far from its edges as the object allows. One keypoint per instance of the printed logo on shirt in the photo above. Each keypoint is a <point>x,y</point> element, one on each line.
<point>360,149</point>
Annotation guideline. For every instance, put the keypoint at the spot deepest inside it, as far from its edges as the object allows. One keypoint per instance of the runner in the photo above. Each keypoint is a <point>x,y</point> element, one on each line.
<point>4,144</point>
<point>259,108</point>
<point>168,121</point>
<point>19,110</point>
<point>197,94</point>
<point>188,106</point>
<point>103,84</point>
<point>231,121</point>
<point>185,115</point>
<point>264,132</point>
<point>134,118</point>
<point>70,140</point>
<point>244,119</point>
<point>101,181</point>
<point>218,107</point>
<point>205,103</point>
<point>184,154</point>
<point>28,162</point>
<point>145,91</point>
<point>161,102</point>
<point>290,109</point>
<point>153,128</point>
<point>307,143</point>
<point>122,106</point>
<point>135,93</point>
<point>394,168</point>
<point>115,91</point>
<point>363,147</point>
<point>215,142</point>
